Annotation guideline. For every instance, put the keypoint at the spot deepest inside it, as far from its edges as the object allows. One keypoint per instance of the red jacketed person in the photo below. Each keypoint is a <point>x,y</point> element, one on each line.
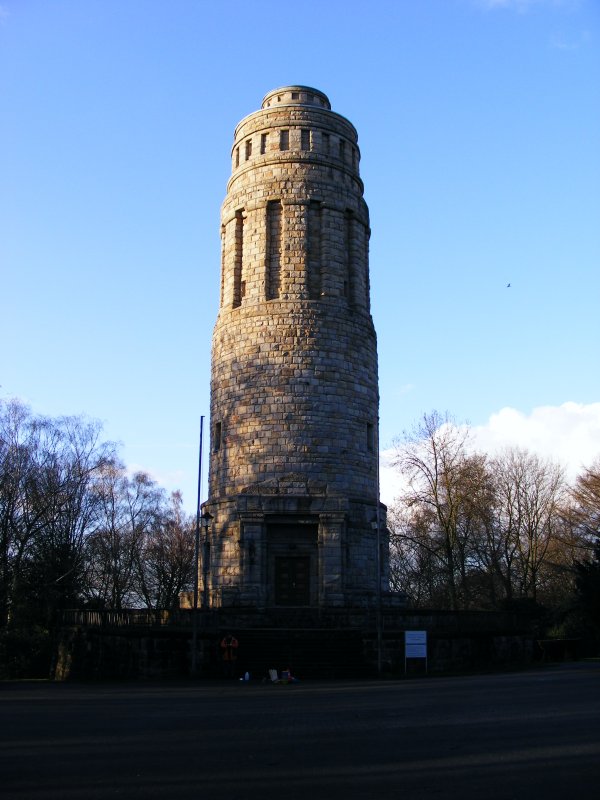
<point>229,646</point>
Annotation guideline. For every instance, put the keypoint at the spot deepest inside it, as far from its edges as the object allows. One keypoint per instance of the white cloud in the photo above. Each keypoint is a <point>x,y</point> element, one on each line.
<point>519,5</point>
<point>522,6</point>
<point>169,479</point>
<point>390,482</point>
<point>568,434</point>
<point>560,42</point>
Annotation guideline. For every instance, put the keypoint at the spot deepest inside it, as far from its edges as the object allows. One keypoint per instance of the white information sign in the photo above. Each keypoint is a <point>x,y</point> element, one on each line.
<point>415,637</point>
<point>416,651</point>
<point>415,645</point>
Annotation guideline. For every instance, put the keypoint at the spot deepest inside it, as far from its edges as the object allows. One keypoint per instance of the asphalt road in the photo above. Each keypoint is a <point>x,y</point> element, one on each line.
<point>529,735</point>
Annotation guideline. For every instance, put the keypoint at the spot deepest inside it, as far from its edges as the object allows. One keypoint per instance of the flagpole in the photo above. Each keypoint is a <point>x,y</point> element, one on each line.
<point>197,557</point>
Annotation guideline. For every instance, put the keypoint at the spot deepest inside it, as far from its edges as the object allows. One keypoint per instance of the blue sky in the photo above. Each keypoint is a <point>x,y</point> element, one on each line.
<point>479,127</point>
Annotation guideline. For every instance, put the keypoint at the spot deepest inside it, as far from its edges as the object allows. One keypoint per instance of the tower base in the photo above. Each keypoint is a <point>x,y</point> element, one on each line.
<point>290,543</point>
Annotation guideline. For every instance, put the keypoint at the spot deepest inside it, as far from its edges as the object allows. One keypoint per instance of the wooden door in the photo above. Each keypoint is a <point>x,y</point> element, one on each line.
<point>292,580</point>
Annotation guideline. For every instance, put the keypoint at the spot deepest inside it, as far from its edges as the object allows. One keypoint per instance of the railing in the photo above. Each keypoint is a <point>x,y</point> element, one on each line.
<point>112,618</point>
<point>457,623</point>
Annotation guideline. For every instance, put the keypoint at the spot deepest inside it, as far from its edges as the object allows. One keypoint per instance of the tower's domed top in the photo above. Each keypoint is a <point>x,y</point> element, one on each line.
<point>296,95</point>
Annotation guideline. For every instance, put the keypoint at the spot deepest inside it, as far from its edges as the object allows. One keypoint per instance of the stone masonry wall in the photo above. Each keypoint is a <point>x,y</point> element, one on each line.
<point>294,388</point>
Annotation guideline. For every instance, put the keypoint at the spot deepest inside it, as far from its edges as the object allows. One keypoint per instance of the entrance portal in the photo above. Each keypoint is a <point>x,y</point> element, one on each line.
<point>292,559</point>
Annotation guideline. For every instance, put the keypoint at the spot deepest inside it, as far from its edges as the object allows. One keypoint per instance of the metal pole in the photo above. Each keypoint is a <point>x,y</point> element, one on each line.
<point>197,557</point>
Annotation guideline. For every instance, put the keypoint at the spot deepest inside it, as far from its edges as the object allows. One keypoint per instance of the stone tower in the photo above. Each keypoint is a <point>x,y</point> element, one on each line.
<point>293,482</point>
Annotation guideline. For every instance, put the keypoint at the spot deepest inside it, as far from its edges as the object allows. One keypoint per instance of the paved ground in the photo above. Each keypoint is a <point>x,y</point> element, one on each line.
<point>522,735</point>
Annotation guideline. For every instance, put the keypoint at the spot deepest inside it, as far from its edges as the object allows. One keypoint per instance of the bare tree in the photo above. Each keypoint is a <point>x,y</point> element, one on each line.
<point>529,492</point>
<point>19,437</point>
<point>583,510</point>
<point>475,532</point>
<point>74,527</point>
<point>166,558</point>
<point>63,502</point>
<point>128,509</point>
<point>445,483</point>
<point>587,583</point>
<point>416,566</point>
<point>47,468</point>
<point>581,515</point>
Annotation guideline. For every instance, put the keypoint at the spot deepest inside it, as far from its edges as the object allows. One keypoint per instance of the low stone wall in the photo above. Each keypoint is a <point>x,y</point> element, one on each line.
<point>337,643</point>
<point>107,653</point>
<point>449,653</point>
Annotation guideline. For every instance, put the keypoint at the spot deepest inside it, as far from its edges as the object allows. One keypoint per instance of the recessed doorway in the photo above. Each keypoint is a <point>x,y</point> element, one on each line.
<point>292,559</point>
